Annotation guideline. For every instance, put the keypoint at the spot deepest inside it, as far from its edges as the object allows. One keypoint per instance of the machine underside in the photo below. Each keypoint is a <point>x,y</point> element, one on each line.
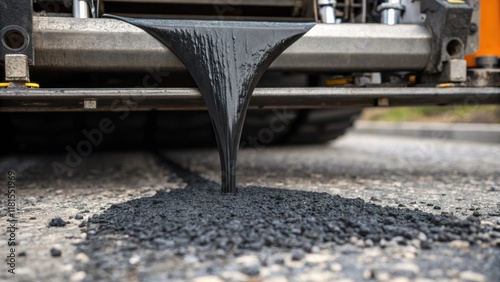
<point>361,53</point>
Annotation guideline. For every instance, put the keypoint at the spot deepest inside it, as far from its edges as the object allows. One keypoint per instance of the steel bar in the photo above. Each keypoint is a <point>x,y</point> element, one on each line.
<point>80,9</point>
<point>112,45</point>
<point>232,3</point>
<point>32,100</point>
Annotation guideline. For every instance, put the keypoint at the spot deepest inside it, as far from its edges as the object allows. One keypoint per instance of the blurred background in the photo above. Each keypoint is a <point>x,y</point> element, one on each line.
<point>446,114</point>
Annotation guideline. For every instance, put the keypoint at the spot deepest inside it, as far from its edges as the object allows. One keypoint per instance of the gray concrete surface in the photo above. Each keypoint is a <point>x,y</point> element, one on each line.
<point>486,133</point>
<point>435,203</point>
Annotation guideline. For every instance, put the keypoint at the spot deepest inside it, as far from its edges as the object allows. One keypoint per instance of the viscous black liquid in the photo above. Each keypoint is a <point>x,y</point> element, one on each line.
<point>226,60</point>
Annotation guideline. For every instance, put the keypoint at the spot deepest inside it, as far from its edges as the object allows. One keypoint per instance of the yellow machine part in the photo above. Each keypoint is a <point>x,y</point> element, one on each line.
<point>489,31</point>
<point>28,84</point>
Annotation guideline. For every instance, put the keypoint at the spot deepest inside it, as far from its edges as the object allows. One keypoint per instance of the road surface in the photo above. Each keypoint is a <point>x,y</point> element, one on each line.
<point>364,208</point>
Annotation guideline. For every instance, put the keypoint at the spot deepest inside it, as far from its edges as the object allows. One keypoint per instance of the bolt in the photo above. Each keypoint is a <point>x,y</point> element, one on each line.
<point>473,28</point>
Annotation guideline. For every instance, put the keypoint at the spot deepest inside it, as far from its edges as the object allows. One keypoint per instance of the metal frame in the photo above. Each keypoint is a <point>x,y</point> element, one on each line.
<point>450,23</point>
<point>33,100</point>
<point>111,45</point>
<point>275,3</point>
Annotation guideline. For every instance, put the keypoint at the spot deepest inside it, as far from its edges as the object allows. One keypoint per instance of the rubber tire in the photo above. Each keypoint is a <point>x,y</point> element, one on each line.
<point>29,132</point>
<point>321,126</point>
<point>268,127</point>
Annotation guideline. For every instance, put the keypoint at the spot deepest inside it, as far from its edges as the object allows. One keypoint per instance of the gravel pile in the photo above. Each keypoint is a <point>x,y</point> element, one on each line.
<point>262,232</point>
<point>200,217</point>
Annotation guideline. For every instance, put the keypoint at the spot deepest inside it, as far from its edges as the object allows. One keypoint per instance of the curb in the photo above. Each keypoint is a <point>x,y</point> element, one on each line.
<point>474,132</point>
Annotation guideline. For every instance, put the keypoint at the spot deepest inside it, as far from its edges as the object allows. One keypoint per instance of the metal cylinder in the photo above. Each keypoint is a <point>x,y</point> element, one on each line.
<point>327,10</point>
<point>80,9</point>
<point>364,5</point>
<point>117,46</point>
<point>390,12</point>
<point>487,61</point>
<point>412,14</point>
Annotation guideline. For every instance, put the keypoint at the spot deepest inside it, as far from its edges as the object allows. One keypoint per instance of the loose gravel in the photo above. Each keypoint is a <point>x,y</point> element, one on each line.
<point>375,182</point>
<point>261,217</point>
<point>57,222</point>
<point>197,224</point>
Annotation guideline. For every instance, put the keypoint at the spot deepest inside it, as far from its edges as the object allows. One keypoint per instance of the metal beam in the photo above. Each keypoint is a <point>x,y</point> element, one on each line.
<point>231,3</point>
<point>112,45</point>
<point>33,100</point>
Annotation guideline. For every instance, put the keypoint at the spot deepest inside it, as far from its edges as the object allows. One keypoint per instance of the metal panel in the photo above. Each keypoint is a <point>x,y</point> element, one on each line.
<point>105,44</point>
<point>16,28</point>
<point>450,24</point>
<point>473,37</point>
<point>19,100</point>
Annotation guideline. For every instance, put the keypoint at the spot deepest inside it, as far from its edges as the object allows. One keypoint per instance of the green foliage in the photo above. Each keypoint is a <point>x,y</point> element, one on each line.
<point>486,114</point>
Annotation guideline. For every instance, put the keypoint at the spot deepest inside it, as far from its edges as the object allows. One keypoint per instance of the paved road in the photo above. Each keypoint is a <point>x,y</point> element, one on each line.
<point>372,208</point>
<point>475,132</point>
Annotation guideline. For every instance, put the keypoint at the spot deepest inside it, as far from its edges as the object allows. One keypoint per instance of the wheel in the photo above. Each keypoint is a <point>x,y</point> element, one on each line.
<point>55,131</point>
<point>320,126</point>
<point>267,127</point>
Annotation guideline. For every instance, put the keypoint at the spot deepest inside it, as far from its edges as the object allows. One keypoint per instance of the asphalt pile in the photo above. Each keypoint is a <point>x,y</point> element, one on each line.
<point>200,217</point>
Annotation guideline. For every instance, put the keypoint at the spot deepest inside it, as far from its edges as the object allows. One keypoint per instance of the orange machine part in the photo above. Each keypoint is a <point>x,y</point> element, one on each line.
<point>489,31</point>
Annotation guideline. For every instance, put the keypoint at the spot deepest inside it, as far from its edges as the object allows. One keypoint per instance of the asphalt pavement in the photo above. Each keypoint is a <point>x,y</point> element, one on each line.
<point>364,208</point>
<point>473,132</point>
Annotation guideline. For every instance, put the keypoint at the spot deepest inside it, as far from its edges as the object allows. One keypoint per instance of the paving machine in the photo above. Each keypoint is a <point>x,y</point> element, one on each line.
<point>65,67</point>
